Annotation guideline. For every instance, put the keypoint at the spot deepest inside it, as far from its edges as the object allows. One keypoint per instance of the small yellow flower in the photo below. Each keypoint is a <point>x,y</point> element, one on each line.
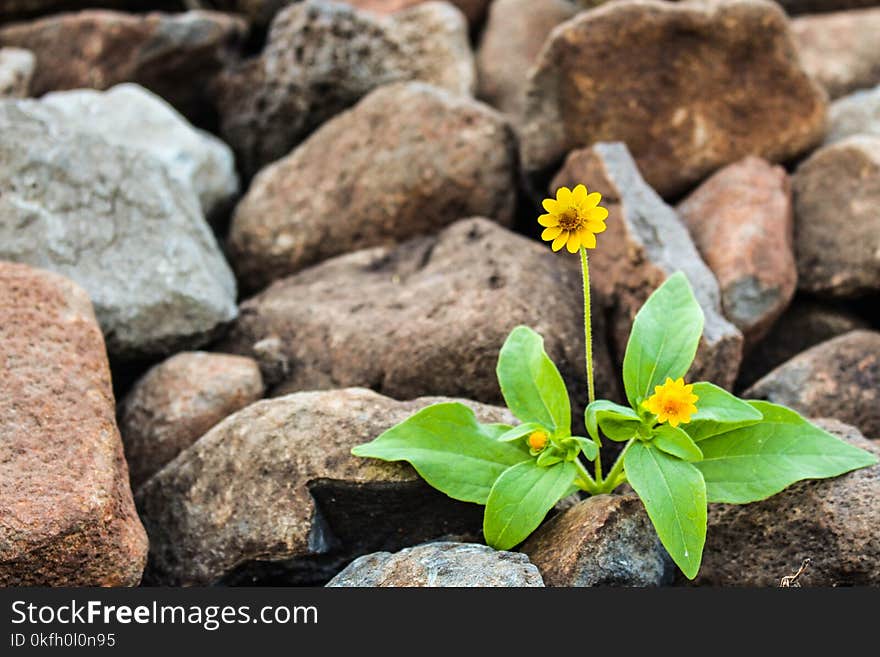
<point>537,440</point>
<point>573,219</point>
<point>672,402</point>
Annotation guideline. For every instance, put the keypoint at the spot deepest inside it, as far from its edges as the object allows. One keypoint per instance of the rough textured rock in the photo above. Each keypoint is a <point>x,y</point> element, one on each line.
<point>277,481</point>
<point>837,225</point>
<point>117,223</point>
<point>474,10</point>
<point>443,564</point>
<point>165,53</point>
<point>428,317</point>
<point>179,400</point>
<point>833,522</point>
<point>804,324</point>
<point>607,540</point>
<point>839,378</point>
<point>514,34</point>
<point>645,243</point>
<point>857,113</point>
<point>839,50</point>
<point>130,116</point>
<point>322,58</point>
<point>741,220</point>
<point>375,175</point>
<point>688,87</point>
<point>66,513</point>
<point>16,71</point>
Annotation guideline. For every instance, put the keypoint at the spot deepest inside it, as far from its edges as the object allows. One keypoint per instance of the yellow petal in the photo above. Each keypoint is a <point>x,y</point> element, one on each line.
<point>592,200</point>
<point>597,214</point>
<point>579,194</point>
<point>595,227</point>
<point>551,233</point>
<point>588,240</point>
<point>560,240</point>
<point>563,196</point>
<point>548,220</point>
<point>673,420</point>
<point>550,205</point>
<point>574,242</point>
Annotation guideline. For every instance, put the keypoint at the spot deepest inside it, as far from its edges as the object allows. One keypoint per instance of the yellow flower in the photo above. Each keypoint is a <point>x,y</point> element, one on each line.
<point>537,440</point>
<point>573,219</point>
<point>672,402</point>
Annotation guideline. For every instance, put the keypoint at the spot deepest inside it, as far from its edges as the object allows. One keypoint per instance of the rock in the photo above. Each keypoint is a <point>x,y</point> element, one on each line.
<point>839,50</point>
<point>322,57</point>
<point>804,324</point>
<point>833,522</point>
<point>837,226</point>
<point>375,175</point>
<point>741,221</point>
<point>645,243</point>
<point>474,10</point>
<point>258,13</point>
<point>838,378</point>
<point>689,87</point>
<point>117,223</point>
<point>17,9</point>
<point>166,53</point>
<point>66,512</point>
<point>606,540</point>
<point>857,113</point>
<point>179,400</point>
<point>443,564</point>
<point>130,116</point>
<point>428,317</point>
<point>514,34</point>
<point>796,7</point>
<point>16,71</point>
<point>277,481</point>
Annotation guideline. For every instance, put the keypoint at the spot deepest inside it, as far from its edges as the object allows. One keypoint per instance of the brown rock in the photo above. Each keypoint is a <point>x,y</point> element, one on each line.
<point>833,522</point>
<point>17,9</point>
<point>741,221</point>
<point>607,540</point>
<point>839,50</point>
<point>66,513</point>
<point>839,378</point>
<point>322,57</point>
<point>16,71</point>
<point>277,481</point>
<point>177,401</point>
<point>688,86</point>
<point>99,49</point>
<point>474,10</point>
<point>428,317</point>
<point>375,175</point>
<point>646,243</point>
<point>837,224</point>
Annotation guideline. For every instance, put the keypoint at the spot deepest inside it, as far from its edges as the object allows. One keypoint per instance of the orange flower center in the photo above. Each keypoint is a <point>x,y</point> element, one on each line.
<point>537,440</point>
<point>570,219</point>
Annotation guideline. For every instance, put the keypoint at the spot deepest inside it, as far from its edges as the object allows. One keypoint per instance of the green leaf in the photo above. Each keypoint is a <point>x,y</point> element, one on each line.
<point>718,411</point>
<point>449,449</point>
<point>521,498</point>
<point>519,431</point>
<point>531,384</point>
<point>673,440</point>
<point>674,495</point>
<point>664,339</point>
<point>754,462</point>
<point>618,422</point>
<point>549,457</point>
<point>588,448</point>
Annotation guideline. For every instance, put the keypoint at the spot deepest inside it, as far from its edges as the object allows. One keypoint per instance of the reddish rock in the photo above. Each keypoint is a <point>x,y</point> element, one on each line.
<point>66,512</point>
<point>644,244</point>
<point>177,401</point>
<point>375,175</point>
<point>839,50</point>
<point>741,221</point>
<point>839,378</point>
<point>837,224</point>
<point>688,87</point>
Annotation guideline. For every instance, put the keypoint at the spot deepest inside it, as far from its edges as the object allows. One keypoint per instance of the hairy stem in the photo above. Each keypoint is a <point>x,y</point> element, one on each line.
<point>611,481</point>
<point>588,343</point>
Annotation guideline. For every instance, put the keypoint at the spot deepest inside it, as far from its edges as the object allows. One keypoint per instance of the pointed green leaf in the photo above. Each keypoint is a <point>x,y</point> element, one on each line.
<point>449,449</point>
<point>549,457</point>
<point>618,422</point>
<point>531,384</point>
<point>588,448</point>
<point>673,440</point>
<point>664,339</point>
<point>674,495</point>
<point>521,498</point>
<point>754,462</point>
<point>519,431</point>
<point>718,411</point>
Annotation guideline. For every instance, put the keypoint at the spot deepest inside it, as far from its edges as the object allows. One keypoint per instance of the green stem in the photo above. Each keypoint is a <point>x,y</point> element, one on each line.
<point>586,482</point>
<point>588,342</point>
<point>611,482</point>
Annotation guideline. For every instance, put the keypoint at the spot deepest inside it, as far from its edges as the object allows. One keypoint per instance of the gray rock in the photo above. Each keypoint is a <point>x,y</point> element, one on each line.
<point>117,223</point>
<point>16,70</point>
<point>443,564</point>
<point>855,114</point>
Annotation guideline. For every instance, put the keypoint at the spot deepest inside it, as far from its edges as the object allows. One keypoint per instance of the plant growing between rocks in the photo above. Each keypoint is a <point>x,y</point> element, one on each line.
<point>684,444</point>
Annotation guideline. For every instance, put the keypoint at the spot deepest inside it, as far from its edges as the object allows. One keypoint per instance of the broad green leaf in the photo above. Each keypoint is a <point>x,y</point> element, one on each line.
<point>718,411</point>
<point>519,431</point>
<point>520,499</point>
<point>673,440</point>
<point>588,448</point>
<point>531,384</point>
<point>664,339</point>
<point>618,422</point>
<point>549,457</point>
<point>674,495</point>
<point>449,449</point>
<point>754,462</point>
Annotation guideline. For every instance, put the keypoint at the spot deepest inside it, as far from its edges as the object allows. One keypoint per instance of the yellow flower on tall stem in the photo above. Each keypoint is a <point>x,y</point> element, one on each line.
<point>573,219</point>
<point>673,402</point>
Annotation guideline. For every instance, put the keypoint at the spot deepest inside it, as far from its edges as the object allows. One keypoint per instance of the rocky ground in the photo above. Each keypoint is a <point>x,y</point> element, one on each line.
<point>239,237</point>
